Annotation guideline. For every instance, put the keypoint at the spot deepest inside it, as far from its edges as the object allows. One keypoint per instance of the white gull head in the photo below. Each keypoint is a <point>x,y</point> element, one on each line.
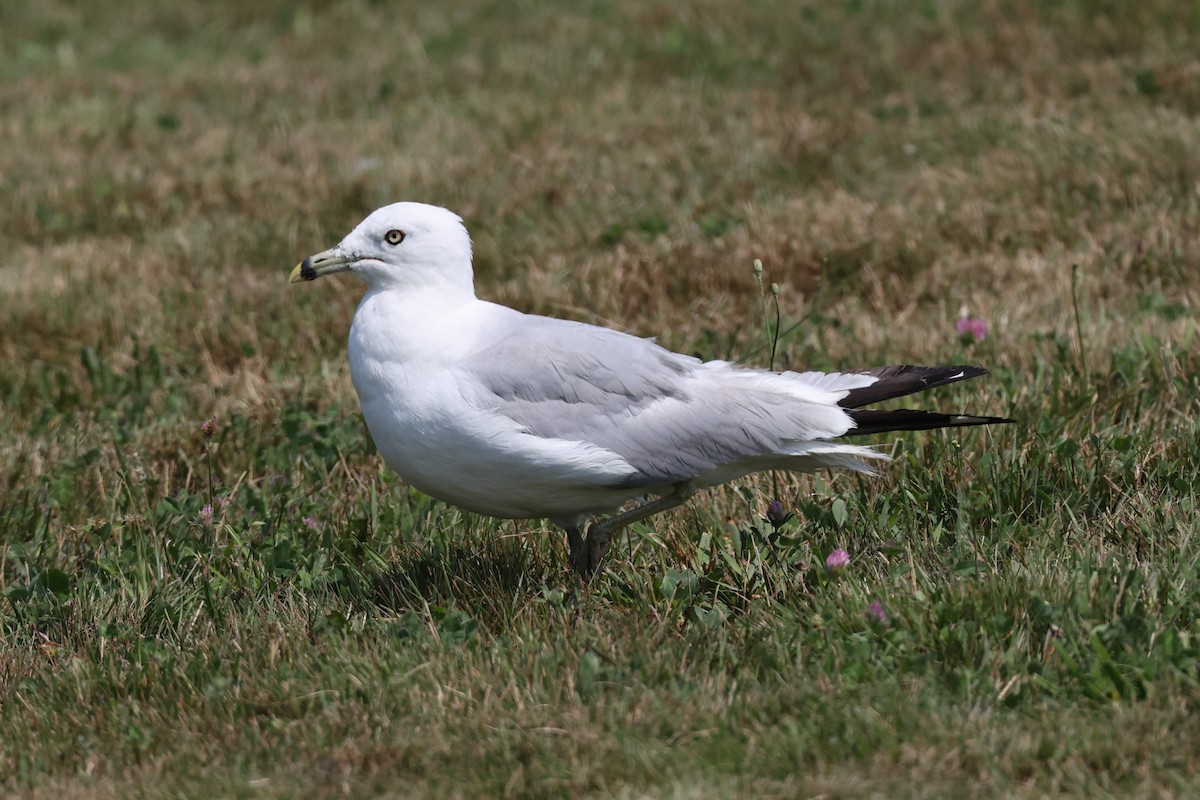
<point>407,246</point>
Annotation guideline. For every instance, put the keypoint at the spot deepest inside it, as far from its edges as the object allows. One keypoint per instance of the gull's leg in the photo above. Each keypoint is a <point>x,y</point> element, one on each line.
<point>576,549</point>
<point>600,533</point>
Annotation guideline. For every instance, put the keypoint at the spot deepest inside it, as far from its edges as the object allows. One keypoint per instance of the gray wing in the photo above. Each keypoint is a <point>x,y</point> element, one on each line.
<point>655,408</point>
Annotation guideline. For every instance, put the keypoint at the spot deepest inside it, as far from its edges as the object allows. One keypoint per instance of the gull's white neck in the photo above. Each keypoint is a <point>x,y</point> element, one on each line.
<point>399,325</point>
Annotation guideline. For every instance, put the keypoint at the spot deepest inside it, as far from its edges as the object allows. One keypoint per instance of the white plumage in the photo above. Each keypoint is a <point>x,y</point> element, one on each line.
<point>521,416</point>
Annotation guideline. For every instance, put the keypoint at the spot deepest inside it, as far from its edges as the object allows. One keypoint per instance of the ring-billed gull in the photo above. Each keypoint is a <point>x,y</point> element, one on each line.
<point>521,416</point>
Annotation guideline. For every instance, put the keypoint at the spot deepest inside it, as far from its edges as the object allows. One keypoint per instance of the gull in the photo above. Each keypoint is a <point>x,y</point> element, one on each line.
<point>521,416</point>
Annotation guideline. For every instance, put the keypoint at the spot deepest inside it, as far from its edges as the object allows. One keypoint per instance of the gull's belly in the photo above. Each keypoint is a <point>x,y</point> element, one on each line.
<point>431,433</point>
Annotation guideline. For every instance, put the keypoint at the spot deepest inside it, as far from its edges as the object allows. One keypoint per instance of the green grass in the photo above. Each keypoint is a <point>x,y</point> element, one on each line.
<point>330,632</point>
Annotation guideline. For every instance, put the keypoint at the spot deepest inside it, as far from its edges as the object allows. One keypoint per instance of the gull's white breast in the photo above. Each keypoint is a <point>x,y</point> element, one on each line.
<point>419,404</point>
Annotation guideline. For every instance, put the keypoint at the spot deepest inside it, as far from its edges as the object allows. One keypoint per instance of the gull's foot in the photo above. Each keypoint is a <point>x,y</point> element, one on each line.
<point>586,554</point>
<point>577,549</point>
<point>579,565</point>
<point>595,547</point>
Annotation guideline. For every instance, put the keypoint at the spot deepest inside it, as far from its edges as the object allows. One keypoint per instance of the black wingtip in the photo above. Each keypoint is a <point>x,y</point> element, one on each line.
<point>898,380</point>
<point>870,421</point>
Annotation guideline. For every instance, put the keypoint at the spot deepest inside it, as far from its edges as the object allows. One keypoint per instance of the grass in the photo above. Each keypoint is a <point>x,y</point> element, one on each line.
<point>326,631</point>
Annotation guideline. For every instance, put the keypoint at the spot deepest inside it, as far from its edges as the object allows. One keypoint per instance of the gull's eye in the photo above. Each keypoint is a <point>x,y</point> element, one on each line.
<point>394,236</point>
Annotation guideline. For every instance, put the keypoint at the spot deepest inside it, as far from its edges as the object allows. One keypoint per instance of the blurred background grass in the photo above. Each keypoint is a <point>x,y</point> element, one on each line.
<point>322,630</point>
